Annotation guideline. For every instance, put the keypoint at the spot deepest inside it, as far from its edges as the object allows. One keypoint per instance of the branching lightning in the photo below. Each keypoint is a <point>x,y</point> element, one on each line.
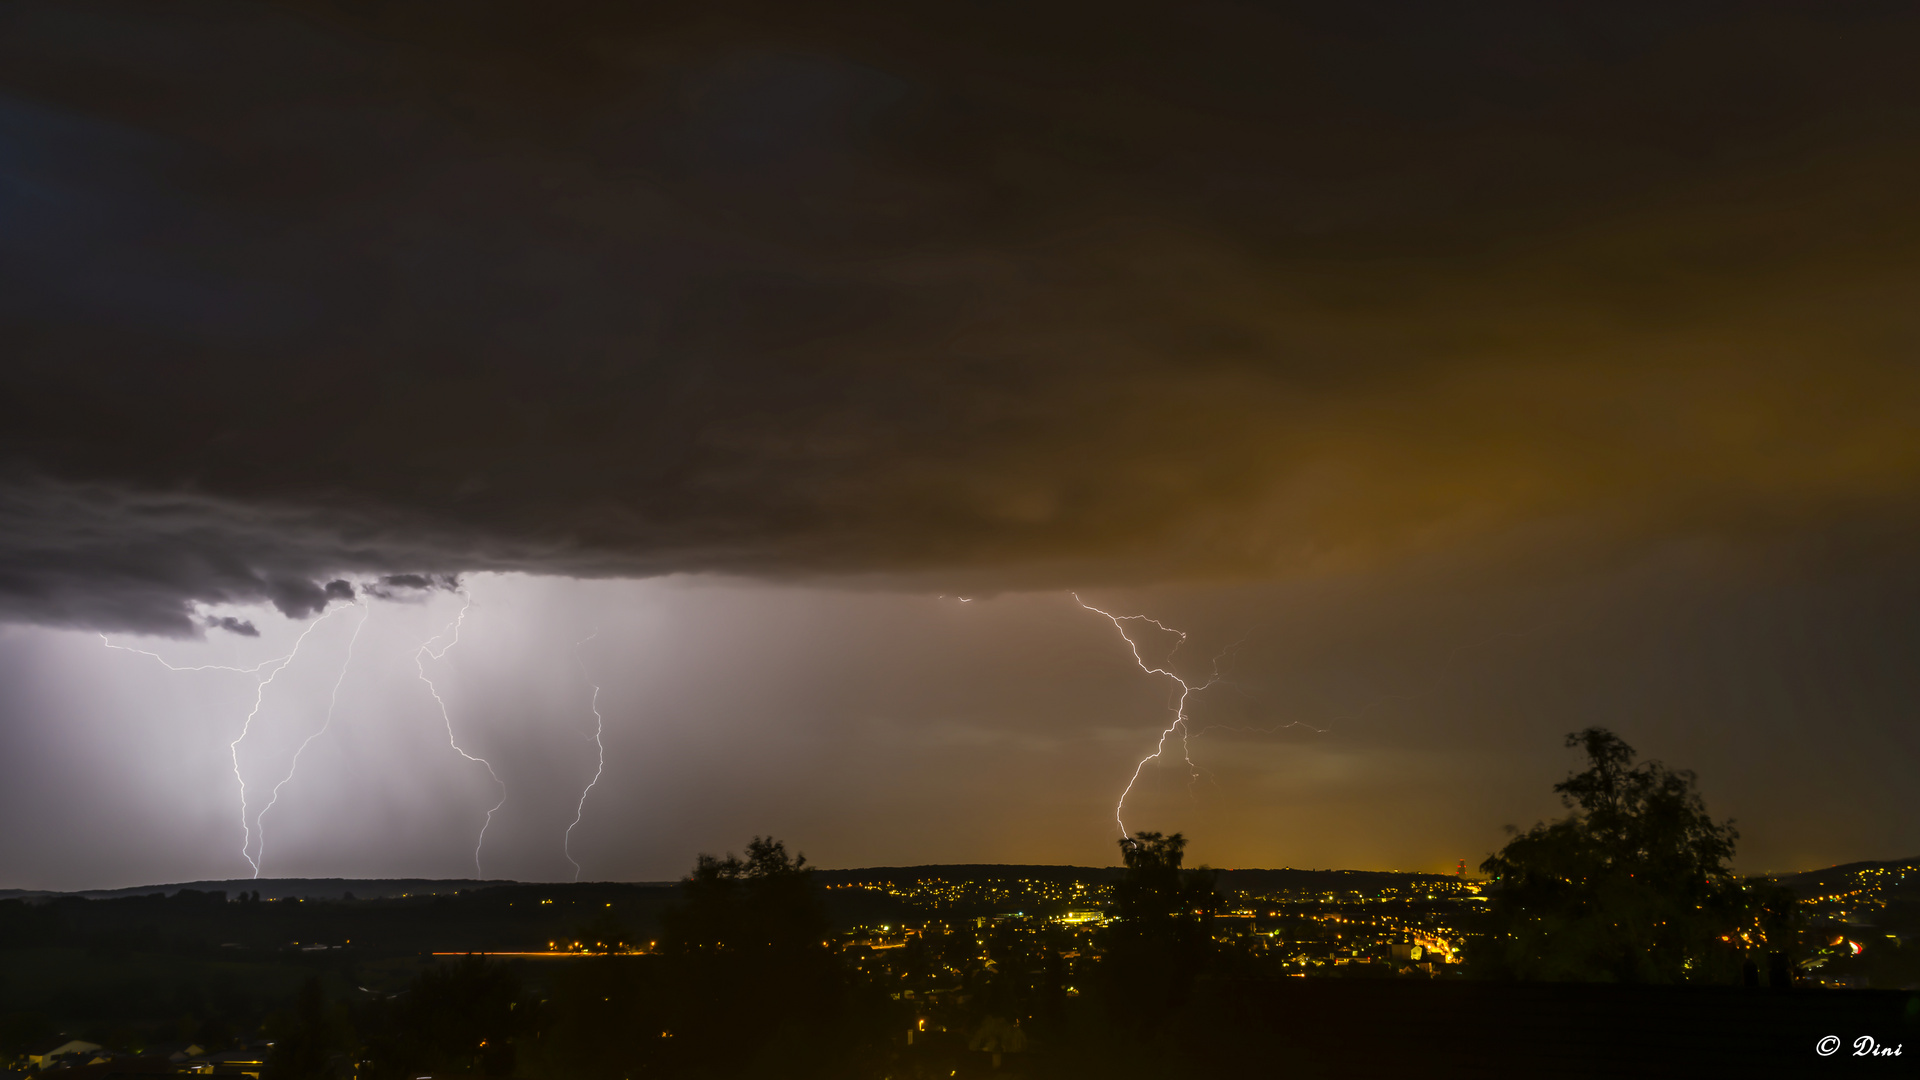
<point>1179,723</point>
<point>333,702</point>
<point>272,668</point>
<point>1186,730</point>
<point>452,634</point>
<point>599,728</point>
<point>254,670</point>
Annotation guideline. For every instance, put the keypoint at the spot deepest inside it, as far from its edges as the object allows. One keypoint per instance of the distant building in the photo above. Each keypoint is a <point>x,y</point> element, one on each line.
<point>106,1065</point>
<point>75,1047</point>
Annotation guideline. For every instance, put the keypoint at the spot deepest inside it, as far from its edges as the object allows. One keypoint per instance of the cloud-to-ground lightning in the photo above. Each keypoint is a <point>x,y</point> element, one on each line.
<point>1179,722</point>
<point>333,702</point>
<point>452,634</point>
<point>599,729</point>
<point>273,668</point>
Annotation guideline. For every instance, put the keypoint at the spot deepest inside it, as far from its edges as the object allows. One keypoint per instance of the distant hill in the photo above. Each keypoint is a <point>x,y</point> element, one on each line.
<point>1900,875</point>
<point>280,888</point>
<point>904,875</point>
<point>1286,879</point>
<point>1329,881</point>
<point>1886,880</point>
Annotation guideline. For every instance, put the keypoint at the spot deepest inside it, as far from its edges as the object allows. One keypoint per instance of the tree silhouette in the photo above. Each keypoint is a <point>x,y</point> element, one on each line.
<point>1162,930</point>
<point>757,990</point>
<point>743,983</point>
<point>764,902</point>
<point>1632,887</point>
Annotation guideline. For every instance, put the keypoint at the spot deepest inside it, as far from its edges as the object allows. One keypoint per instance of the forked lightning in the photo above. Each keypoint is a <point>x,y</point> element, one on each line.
<point>452,634</point>
<point>1179,723</point>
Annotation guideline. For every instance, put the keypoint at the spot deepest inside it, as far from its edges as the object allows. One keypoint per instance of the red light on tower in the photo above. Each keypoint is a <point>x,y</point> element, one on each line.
<point>1460,870</point>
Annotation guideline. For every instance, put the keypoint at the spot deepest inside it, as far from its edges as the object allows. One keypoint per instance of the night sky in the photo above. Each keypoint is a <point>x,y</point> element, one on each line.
<point>1456,375</point>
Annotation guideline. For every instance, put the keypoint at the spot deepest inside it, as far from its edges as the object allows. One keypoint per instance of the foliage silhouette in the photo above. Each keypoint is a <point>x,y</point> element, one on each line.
<point>1162,935</point>
<point>762,904</point>
<point>1632,887</point>
<point>744,983</point>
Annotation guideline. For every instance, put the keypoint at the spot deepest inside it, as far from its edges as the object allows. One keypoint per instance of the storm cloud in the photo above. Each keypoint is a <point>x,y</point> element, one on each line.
<point>989,295</point>
<point>232,625</point>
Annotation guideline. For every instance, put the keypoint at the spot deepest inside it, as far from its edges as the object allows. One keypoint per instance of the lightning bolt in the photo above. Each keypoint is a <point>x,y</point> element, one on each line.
<point>1179,723</point>
<point>273,668</point>
<point>452,633</point>
<point>1187,733</point>
<point>260,819</point>
<point>599,727</point>
<point>254,670</point>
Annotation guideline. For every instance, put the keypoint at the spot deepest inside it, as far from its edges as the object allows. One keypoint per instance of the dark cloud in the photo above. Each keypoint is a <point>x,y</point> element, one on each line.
<point>419,582</point>
<point>298,598</point>
<point>411,586</point>
<point>232,625</point>
<point>1003,294</point>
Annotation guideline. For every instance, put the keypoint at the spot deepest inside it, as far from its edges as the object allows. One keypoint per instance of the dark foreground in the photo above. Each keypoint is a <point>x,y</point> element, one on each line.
<point>1374,1028</point>
<point>774,972</point>
<point>1337,1028</point>
<point>1406,1028</point>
